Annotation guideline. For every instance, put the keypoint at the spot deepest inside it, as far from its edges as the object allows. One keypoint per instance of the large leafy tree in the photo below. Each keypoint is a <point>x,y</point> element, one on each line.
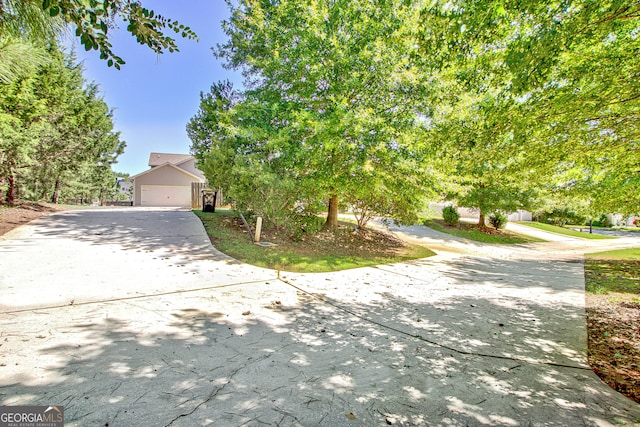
<point>52,123</point>
<point>207,128</point>
<point>234,139</point>
<point>572,65</point>
<point>489,169</point>
<point>332,103</point>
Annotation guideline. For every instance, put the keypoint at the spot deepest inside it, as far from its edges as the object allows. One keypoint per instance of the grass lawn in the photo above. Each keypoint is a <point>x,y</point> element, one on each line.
<point>324,251</point>
<point>563,230</point>
<point>472,232</point>
<point>612,282</point>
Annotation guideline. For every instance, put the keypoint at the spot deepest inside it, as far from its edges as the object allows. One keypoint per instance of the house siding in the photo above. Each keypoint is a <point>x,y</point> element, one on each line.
<point>190,166</point>
<point>161,176</point>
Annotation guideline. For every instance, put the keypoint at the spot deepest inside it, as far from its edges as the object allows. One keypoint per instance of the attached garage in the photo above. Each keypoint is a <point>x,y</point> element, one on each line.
<point>165,195</point>
<point>166,184</point>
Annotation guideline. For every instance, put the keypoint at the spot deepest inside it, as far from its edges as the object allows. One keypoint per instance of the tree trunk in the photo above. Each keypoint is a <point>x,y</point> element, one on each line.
<point>11,191</point>
<point>332,214</point>
<point>56,192</point>
<point>482,221</point>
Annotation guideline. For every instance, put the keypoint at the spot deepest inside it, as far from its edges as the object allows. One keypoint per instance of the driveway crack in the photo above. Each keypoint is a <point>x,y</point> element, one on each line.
<point>427,340</point>
<point>209,398</point>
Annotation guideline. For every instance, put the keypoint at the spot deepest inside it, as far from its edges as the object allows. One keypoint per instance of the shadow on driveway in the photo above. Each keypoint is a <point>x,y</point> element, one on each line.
<point>299,360</point>
<point>174,231</point>
<point>465,341</point>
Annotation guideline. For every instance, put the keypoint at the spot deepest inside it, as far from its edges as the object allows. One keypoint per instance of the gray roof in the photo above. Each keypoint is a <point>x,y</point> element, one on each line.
<point>157,159</point>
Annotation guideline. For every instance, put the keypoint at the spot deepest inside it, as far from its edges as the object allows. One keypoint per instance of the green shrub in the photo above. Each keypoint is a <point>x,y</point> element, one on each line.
<point>304,223</point>
<point>560,217</point>
<point>450,215</point>
<point>602,222</point>
<point>497,220</point>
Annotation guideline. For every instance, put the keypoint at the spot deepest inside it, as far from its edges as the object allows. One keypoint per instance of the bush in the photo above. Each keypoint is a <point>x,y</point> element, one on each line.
<point>498,220</point>
<point>450,215</point>
<point>304,223</point>
<point>560,217</point>
<point>602,222</point>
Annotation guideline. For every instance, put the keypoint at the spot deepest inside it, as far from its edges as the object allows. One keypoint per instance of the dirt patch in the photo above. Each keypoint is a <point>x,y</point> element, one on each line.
<point>23,213</point>
<point>345,241</point>
<point>613,324</point>
<point>614,344</point>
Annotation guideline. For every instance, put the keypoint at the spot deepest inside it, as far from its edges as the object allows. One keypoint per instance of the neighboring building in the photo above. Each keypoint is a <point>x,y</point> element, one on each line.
<point>168,182</point>
<point>618,220</point>
<point>124,189</point>
<point>474,214</point>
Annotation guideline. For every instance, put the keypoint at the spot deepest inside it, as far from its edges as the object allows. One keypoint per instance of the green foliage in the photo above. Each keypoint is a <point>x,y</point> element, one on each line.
<point>301,224</point>
<point>41,21</point>
<point>245,168</point>
<point>290,255</point>
<point>92,23</point>
<point>54,129</point>
<point>372,104</point>
<point>603,221</point>
<point>498,220</point>
<point>207,128</point>
<point>560,217</point>
<point>331,113</point>
<point>566,71</point>
<point>494,198</point>
<point>450,215</point>
<point>18,59</point>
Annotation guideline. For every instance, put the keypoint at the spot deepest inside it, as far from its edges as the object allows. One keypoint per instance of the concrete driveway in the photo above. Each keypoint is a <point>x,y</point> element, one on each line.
<point>130,317</point>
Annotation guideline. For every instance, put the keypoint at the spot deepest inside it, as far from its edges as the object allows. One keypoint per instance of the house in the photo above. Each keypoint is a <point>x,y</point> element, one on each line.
<point>167,182</point>
<point>474,214</point>
<point>124,189</point>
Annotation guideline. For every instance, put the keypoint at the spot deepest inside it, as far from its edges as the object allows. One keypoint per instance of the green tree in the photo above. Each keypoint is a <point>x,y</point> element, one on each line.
<point>24,28</point>
<point>488,164</point>
<point>573,67</point>
<point>236,149</point>
<point>52,124</point>
<point>206,128</point>
<point>89,182</point>
<point>334,99</point>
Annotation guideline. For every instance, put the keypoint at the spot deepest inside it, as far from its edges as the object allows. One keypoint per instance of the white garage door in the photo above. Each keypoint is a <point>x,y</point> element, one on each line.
<point>165,195</point>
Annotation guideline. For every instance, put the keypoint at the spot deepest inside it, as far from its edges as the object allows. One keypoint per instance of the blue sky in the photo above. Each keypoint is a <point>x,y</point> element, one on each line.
<point>154,96</point>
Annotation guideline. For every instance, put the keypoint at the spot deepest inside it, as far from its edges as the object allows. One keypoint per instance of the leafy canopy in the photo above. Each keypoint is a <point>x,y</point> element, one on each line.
<point>332,103</point>
<point>52,125</point>
<point>41,20</point>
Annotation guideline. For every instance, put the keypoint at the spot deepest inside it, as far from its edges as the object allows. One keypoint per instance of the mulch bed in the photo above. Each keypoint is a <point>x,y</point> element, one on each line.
<point>345,240</point>
<point>23,213</point>
<point>613,328</point>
